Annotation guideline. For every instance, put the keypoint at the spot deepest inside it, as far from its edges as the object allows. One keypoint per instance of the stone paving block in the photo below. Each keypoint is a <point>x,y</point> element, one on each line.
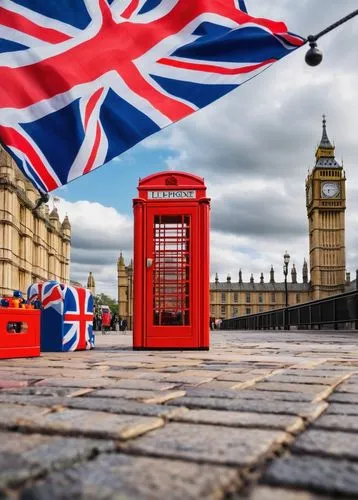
<point>272,493</point>
<point>150,385</point>
<point>127,477</point>
<point>346,387</point>
<point>11,383</point>
<point>20,399</point>
<point>323,475</point>
<point>305,388</point>
<point>249,394</point>
<point>298,379</point>
<point>333,444</point>
<point>222,385</point>
<point>92,423</point>
<point>12,415</point>
<point>342,409</point>
<point>50,391</point>
<point>180,378</point>
<point>316,373</point>
<point>77,382</point>
<point>139,395</point>
<point>288,423</point>
<point>304,410</point>
<point>240,377</point>
<point>123,406</point>
<point>348,398</point>
<point>337,422</point>
<point>23,456</point>
<point>208,443</point>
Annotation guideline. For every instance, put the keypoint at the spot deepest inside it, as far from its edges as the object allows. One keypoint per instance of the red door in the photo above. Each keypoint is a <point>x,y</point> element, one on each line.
<point>171,284</point>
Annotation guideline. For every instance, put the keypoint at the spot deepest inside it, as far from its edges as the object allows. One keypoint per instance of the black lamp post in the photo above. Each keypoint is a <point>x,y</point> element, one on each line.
<point>314,56</point>
<point>286,261</point>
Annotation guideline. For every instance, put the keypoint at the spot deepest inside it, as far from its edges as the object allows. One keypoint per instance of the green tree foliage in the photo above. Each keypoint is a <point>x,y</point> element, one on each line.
<point>105,300</point>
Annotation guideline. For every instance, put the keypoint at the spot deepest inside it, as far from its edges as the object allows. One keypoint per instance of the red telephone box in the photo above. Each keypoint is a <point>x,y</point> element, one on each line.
<point>171,262</point>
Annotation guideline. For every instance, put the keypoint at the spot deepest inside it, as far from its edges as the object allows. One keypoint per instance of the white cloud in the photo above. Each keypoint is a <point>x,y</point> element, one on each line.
<point>99,233</point>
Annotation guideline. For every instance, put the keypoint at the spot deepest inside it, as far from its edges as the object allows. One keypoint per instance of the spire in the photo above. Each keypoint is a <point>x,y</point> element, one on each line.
<point>54,214</point>
<point>66,223</point>
<point>120,260</point>
<point>305,272</point>
<point>262,278</point>
<point>294,274</point>
<point>251,278</point>
<point>325,151</point>
<point>325,142</point>
<point>240,276</point>
<point>91,284</point>
<point>272,275</point>
<point>216,278</point>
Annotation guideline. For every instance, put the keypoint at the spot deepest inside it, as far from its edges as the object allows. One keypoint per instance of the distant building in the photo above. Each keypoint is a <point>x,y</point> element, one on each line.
<point>326,205</point>
<point>125,290</point>
<point>34,246</point>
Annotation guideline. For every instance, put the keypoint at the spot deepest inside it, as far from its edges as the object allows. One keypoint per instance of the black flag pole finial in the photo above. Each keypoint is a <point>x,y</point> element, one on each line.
<point>44,198</point>
<point>314,56</point>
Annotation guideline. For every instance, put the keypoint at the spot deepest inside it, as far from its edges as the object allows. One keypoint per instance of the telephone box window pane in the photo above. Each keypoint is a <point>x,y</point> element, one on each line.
<point>171,270</point>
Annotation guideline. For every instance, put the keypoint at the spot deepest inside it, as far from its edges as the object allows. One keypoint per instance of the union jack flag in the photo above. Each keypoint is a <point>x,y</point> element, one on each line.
<point>84,80</point>
<point>78,319</point>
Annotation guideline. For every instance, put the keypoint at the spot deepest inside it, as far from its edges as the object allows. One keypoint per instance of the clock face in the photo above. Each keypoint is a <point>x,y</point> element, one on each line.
<point>330,189</point>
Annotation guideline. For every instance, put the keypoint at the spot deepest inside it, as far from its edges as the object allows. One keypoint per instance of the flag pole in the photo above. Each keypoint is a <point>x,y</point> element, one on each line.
<point>314,56</point>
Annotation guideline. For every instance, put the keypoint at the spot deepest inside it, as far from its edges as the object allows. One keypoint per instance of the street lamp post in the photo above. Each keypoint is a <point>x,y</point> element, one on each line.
<point>286,260</point>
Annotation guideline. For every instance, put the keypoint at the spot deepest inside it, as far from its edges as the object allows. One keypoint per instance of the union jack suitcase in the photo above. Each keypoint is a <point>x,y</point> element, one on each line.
<point>66,316</point>
<point>19,333</point>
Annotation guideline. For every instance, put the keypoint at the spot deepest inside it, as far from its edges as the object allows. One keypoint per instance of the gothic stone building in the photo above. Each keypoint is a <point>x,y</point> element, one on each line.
<point>326,205</point>
<point>34,246</point>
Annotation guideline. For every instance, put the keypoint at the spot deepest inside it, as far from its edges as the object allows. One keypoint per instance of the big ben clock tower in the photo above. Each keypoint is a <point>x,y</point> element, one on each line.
<point>326,205</point>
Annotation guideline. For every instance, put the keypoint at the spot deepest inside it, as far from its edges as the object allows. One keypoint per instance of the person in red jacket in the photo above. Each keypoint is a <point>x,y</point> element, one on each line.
<point>106,319</point>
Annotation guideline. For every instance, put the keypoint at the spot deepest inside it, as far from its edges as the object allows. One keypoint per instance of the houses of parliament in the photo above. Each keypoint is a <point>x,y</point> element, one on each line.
<point>324,274</point>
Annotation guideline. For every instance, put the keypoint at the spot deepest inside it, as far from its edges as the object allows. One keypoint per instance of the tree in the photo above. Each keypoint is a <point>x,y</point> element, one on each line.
<point>102,299</point>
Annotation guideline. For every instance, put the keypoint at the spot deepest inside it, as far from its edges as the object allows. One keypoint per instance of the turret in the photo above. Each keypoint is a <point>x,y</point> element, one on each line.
<point>272,275</point>
<point>91,284</point>
<point>240,276</point>
<point>294,274</point>
<point>216,278</point>
<point>54,218</point>
<point>305,272</point>
<point>228,278</point>
<point>262,280</point>
<point>251,278</point>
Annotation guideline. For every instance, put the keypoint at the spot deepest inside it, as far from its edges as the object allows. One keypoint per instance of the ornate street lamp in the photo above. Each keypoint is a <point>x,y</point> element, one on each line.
<point>314,56</point>
<point>286,261</point>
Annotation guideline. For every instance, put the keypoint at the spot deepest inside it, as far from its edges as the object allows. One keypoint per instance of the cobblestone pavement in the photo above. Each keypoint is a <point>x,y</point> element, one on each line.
<point>261,416</point>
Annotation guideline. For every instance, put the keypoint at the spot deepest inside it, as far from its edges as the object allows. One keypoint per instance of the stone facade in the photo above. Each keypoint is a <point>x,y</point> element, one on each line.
<point>34,245</point>
<point>326,204</point>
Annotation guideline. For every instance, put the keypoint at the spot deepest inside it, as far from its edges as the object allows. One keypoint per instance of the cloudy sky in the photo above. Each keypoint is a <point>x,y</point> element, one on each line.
<point>253,147</point>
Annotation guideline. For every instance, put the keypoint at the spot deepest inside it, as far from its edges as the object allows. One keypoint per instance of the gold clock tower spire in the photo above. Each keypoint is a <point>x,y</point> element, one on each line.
<point>326,205</point>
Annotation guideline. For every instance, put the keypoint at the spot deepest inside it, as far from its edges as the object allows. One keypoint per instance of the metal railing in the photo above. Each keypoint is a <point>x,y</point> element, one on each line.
<point>338,311</point>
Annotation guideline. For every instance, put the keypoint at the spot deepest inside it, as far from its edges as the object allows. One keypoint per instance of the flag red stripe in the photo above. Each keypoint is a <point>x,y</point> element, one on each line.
<point>91,104</point>
<point>94,151</point>
<point>20,23</point>
<point>130,9</point>
<point>13,138</point>
<point>214,69</point>
<point>169,107</point>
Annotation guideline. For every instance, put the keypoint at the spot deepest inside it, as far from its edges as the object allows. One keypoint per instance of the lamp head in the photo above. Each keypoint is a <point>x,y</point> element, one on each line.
<point>313,56</point>
<point>286,258</point>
